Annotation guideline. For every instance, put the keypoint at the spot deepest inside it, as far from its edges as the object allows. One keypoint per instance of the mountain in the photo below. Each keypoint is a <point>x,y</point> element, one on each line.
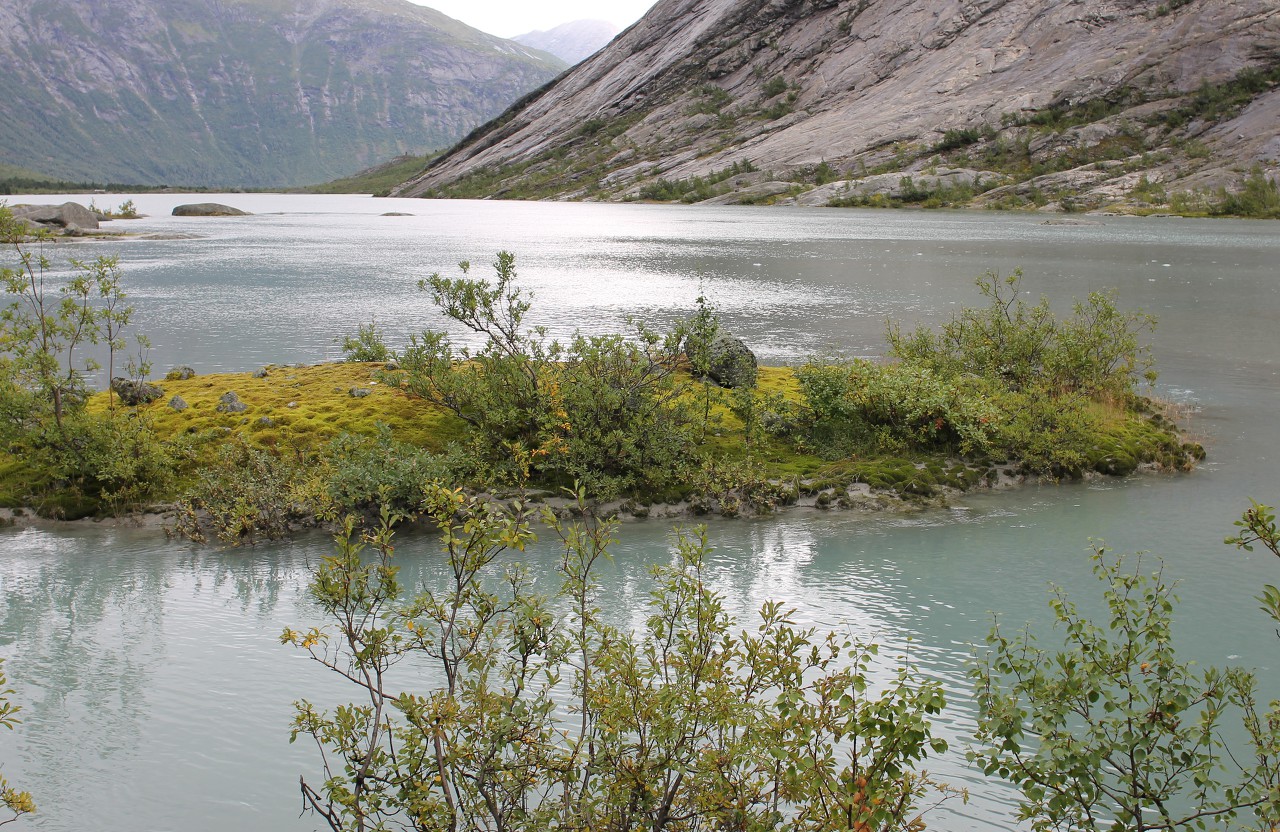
<point>255,93</point>
<point>998,102</point>
<point>571,42</point>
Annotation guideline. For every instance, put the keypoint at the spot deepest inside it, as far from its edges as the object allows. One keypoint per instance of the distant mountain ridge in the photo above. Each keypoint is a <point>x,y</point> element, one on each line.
<point>571,42</point>
<point>1005,102</point>
<point>254,93</point>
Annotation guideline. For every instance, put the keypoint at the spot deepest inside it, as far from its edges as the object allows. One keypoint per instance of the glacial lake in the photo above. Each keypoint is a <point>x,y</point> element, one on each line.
<point>156,696</point>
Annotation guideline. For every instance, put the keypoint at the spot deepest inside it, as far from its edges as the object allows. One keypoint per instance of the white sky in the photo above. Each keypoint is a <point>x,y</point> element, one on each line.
<point>508,18</point>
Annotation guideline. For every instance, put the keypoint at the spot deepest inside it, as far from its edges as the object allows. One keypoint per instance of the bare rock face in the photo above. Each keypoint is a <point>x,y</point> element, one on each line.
<point>812,91</point>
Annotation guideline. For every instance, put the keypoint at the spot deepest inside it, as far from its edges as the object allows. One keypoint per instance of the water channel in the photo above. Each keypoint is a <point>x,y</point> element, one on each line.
<point>156,696</point>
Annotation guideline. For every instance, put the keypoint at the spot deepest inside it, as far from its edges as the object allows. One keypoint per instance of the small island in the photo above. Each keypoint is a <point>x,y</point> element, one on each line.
<point>647,423</point>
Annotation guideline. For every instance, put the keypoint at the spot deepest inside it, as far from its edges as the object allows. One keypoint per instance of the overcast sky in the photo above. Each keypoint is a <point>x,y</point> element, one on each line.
<point>508,18</point>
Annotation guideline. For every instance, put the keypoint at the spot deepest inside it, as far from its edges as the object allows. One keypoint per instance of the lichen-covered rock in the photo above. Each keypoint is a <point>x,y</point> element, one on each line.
<point>134,393</point>
<point>178,404</point>
<point>230,403</point>
<point>359,392</point>
<point>180,373</point>
<point>262,372</point>
<point>731,363</point>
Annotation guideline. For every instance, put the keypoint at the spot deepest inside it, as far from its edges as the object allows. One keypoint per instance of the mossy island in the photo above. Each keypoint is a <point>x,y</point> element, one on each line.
<point>647,422</point>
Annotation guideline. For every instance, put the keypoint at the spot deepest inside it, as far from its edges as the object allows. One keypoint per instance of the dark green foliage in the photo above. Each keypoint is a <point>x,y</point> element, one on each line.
<point>1113,731</point>
<point>775,86</point>
<point>368,344</point>
<point>696,188</point>
<point>1219,102</point>
<point>957,138</point>
<point>1258,197</point>
<point>1021,347</point>
<point>367,472</point>
<point>602,410</point>
<point>1008,382</point>
<point>80,461</point>
<point>247,494</point>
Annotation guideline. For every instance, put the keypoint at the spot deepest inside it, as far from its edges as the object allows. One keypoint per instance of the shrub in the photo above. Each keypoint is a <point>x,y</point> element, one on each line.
<point>605,410</point>
<point>246,494</point>
<point>366,345</point>
<point>546,716</point>
<point>1114,731</point>
<point>1024,347</point>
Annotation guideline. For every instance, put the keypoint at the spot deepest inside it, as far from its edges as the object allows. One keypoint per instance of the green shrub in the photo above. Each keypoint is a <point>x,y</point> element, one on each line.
<point>367,344</point>
<point>604,410</point>
<point>365,472</point>
<point>1021,347</point>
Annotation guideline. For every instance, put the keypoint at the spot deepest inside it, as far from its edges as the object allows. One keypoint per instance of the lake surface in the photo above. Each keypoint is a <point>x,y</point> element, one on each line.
<point>156,696</point>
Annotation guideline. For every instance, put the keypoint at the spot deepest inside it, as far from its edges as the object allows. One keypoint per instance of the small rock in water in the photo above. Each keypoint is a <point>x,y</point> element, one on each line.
<point>230,403</point>
<point>178,404</point>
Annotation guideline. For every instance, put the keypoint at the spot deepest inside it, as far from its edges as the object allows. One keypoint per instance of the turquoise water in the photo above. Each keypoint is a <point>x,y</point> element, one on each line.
<point>157,697</point>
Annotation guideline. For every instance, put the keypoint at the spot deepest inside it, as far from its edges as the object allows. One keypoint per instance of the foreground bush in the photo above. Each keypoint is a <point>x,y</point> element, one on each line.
<point>543,715</point>
<point>1114,731</point>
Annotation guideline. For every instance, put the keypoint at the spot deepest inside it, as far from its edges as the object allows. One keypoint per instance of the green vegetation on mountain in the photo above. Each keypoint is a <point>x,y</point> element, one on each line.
<point>377,180</point>
<point>250,93</point>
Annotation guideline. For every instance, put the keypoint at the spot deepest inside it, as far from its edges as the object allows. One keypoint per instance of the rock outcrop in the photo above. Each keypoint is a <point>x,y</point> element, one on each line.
<point>70,217</point>
<point>208,209</point>
<point>820,91</point>
<point>255,93</point>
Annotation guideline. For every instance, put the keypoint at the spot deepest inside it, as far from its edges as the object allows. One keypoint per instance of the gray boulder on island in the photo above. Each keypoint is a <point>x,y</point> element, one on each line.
<point>731,363</point>
<point>208,209</point>
<point>133,393</point>
<point>66,215</point>
<point>229,402</point>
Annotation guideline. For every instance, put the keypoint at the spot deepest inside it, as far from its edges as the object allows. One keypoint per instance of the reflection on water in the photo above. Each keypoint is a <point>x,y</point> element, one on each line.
<point>156,696</point>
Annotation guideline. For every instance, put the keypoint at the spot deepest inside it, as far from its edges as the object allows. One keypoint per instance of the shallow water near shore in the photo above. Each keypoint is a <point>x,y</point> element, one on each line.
<point>156,696</point>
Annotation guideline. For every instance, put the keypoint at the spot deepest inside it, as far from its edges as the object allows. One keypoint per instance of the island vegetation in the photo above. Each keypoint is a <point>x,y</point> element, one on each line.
<point>1003,390</point>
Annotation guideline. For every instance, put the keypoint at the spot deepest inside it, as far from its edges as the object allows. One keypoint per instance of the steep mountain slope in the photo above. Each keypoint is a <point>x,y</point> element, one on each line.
<point>1005,100</point>
<point>571,42</point>
<point>243,92</point>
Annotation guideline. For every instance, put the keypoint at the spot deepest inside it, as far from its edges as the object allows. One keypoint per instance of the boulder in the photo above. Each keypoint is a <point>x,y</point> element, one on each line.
<point>230,403</point>
<point>208,209</point>
<point>359,392</point>
<point>64,215</point>
<point>133,393</point>
<point>731,363</point>
<point>180,373</point>
<point>178,404</point>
